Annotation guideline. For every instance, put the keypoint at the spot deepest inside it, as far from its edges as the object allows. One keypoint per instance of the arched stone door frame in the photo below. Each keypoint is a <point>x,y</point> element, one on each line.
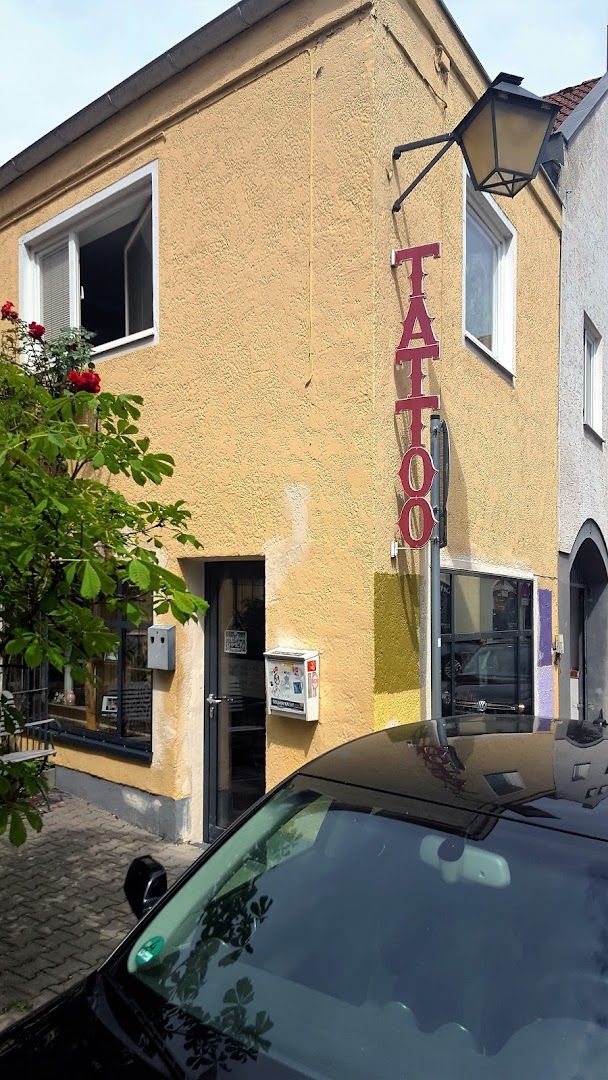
<point>583,583</point>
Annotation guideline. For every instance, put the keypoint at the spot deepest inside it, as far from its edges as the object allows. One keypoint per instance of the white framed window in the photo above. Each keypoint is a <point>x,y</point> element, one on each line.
<point>488,278</point>
<point>592,399</point>
<point>96,266</point>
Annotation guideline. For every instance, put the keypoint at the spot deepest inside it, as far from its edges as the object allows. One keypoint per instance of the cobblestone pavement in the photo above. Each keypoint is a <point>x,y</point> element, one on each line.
<point>62,908</point>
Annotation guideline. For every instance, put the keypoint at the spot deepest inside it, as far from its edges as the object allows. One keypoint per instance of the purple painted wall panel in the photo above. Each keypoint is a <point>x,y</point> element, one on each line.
<point>545,657</point>
<point>545,635</point>
<point>545,691</point>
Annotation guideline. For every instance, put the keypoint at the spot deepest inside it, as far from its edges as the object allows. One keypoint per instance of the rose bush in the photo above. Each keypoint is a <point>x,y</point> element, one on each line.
<point>68,538</point>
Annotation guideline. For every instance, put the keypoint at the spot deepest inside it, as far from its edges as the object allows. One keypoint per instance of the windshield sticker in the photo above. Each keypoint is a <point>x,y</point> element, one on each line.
<point>149,951</point>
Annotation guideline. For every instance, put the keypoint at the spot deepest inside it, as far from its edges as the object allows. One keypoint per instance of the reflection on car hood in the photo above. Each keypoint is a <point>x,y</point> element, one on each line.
<point>549,773</point>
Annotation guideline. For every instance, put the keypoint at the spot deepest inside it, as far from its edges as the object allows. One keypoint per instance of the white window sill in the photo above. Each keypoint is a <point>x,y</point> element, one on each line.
<point>594,433</point>
<point>476,346</point>
<point>124,344</point>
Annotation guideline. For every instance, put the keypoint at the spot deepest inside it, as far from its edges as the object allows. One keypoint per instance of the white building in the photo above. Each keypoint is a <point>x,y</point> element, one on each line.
<point>583,400</point>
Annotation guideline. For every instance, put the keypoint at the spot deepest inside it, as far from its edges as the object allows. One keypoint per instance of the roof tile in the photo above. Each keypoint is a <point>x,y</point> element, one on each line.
<point>569,98</point>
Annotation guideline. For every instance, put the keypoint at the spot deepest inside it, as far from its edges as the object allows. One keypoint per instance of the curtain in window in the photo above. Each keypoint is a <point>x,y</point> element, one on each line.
<point>55,290</point>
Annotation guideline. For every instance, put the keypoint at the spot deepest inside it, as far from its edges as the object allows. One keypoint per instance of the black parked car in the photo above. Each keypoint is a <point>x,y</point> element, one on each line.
<point>427,902</point>
<point>498,674</point>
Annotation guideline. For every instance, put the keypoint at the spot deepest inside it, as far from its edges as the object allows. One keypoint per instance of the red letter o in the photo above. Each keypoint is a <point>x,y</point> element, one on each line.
<point>428,471</point>
<point>428,522</point>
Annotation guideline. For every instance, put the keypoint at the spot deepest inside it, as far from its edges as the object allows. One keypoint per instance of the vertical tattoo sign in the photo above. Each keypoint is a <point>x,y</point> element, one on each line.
<point>418,343</point>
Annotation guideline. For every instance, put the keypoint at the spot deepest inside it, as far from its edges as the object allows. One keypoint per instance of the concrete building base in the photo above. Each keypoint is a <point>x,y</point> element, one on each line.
<point>167,818</point>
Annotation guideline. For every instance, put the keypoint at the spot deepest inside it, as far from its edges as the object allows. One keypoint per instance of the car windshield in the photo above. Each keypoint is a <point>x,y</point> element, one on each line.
<point>339,933</point>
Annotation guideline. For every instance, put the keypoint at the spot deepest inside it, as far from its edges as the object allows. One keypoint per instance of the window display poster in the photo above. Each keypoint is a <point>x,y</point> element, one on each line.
<point>287,686</point>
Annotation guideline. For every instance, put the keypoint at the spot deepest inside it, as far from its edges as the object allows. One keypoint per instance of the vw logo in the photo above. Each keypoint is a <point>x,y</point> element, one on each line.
<point>482,705</point>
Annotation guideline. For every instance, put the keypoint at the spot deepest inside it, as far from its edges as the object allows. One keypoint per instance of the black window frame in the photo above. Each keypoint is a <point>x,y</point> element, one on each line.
<point>522,634</point>
<point>110,742</point>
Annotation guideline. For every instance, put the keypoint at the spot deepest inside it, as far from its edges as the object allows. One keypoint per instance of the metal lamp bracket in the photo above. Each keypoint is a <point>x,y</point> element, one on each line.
<point>447,140</point>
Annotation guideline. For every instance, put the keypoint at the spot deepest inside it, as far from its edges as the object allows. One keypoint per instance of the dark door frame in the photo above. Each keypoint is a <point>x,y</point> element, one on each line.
<point>590,569</point>
<point>214,570</point>
<point>582,594</point>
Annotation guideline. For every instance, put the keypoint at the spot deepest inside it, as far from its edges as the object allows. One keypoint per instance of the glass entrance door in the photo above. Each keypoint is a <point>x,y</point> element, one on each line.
<point>235,726</point>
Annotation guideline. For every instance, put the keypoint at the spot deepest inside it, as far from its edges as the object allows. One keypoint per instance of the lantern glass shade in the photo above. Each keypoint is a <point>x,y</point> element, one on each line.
<point>520,132</point>
<point>478,144</point>
<point>503,137</point>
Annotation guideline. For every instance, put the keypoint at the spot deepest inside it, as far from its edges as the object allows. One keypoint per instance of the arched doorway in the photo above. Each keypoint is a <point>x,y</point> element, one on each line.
<point>586,650</point>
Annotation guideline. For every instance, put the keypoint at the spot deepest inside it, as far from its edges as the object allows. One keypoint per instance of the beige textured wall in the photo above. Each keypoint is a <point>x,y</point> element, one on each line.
<point>273,382</point>
<point>502,506</point>
<point>261,384</point>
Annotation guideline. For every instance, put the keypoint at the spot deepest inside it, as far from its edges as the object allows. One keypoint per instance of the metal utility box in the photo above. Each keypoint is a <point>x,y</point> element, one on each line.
<point>292,683</point>
<point>161,648</point>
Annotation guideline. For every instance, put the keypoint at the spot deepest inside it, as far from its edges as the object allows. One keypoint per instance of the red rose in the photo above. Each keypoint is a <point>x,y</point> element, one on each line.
<point>84,380</point>
<point>91,382</point>
<point>36,331</point>
<point>75,380</point>
<point>7,311</point>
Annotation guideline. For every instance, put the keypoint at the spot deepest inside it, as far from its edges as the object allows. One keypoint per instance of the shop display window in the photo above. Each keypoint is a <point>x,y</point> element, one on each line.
<point>486,635</point>
<point>115,705</point>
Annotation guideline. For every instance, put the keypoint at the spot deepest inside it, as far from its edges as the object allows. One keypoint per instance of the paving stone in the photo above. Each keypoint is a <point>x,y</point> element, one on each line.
<point>63,905</point>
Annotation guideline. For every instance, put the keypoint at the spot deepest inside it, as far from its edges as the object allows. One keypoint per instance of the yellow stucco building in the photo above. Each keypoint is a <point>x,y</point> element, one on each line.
<point>222,221</point>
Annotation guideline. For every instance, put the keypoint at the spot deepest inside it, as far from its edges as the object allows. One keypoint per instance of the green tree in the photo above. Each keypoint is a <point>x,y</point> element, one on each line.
<point>69,539</point>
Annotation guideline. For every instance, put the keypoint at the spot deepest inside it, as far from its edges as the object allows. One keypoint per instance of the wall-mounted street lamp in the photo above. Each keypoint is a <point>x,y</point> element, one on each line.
<point>504,139</point>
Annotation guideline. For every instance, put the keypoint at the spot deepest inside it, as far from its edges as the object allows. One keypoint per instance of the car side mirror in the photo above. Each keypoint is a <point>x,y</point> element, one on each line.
<point>145,883</point>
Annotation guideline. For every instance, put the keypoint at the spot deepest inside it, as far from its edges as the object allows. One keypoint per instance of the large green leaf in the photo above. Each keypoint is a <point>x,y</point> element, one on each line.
<point>34,654</point>
<point>139,574</point>
<point>17,833</point>
<point>90,583</point>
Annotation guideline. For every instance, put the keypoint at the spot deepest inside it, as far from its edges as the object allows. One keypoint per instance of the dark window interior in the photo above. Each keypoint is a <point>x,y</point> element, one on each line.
<point>102,280</point>
<point>112,307</point>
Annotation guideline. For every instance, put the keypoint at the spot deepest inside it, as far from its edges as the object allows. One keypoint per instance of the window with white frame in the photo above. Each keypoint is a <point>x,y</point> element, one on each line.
<point>489,278</point>
<point>592,405</point>
<point>95,265</point>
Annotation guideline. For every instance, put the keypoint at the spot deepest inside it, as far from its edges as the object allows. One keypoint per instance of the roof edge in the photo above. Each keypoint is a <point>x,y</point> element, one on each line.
<point>211,36</point>
<point>463,39</point>
<point>583,110</point>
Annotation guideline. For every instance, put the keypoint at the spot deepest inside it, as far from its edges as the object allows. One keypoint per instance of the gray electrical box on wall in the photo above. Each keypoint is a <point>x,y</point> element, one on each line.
<point>161,648</point>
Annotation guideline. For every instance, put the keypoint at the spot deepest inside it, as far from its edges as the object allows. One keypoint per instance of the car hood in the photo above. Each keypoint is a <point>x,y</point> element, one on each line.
<point>95,1029</point>
<point>76,1034</point>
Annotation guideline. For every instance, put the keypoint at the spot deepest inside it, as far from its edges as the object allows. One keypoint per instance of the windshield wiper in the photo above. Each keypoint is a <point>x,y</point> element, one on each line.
<point>172,1065</point>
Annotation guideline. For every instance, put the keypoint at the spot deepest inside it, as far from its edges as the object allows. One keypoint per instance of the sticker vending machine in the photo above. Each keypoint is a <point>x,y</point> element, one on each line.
<point>292,683</point>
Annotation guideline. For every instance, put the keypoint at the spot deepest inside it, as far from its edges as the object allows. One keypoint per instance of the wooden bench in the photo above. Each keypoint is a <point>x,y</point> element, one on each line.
<point>28,742</point>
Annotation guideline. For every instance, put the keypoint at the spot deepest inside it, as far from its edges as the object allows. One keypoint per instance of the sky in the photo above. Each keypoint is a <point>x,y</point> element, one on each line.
<point>58,55</point>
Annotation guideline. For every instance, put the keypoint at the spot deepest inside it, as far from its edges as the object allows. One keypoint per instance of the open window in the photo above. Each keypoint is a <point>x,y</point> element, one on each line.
<point>94,266</point>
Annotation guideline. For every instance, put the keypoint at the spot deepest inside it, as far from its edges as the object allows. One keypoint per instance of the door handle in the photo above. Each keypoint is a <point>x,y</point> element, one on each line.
<point>213,700</point>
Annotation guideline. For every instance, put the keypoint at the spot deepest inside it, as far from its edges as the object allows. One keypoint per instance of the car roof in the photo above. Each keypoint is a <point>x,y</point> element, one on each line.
<point>463,771</point>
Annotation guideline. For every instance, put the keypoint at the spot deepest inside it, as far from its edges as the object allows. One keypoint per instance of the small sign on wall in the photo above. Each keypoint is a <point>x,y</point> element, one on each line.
<point>235,641</point>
